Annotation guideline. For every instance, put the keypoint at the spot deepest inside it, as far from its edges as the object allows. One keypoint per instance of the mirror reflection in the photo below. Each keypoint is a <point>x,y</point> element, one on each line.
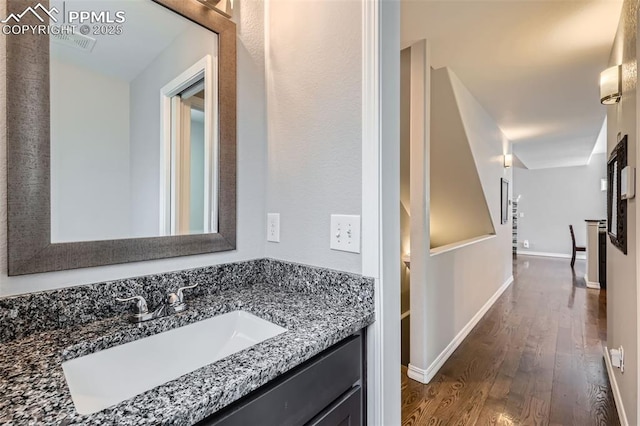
<point>613,220</point>
<point>191,178</point>
<point>134,132</point>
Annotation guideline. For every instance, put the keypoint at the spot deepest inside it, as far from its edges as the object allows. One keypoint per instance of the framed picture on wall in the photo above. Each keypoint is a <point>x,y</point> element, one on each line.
<point>504,201</point>
<point>616,205</point>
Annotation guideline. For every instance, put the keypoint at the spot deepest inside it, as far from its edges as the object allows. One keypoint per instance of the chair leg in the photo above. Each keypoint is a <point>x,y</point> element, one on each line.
<point>573,257</point>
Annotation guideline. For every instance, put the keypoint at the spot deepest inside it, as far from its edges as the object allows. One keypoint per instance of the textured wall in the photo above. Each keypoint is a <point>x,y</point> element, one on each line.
<point>622,275</point>
<point>250,182</point>
<point>552,199</point>
<point>314,109</point>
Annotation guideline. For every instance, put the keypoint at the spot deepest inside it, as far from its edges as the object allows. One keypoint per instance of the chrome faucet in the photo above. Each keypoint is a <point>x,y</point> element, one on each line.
<point>175,303</point>
<point>176,300</point>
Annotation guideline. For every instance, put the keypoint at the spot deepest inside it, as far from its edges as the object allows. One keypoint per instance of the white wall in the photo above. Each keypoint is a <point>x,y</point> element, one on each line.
<point>381,191</point>
<point>458,206</point>
<point>622,270</point>
<point>552,199</point>
<point>459,283</point>
<point>188,48</point>
<point>314,107</point>
<point>196,214</point>
<point>89,139</point>
<point>250,180</point>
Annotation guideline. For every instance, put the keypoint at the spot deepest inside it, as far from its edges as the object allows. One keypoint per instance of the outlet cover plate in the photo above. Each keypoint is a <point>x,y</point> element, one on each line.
<point>345,233</point>
<point>273,227</point>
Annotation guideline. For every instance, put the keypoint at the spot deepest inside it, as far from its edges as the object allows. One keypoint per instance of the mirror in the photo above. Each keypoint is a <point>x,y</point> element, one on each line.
<point>134,130</point>
<point>504,201</point>
<point>123,147</point>
<point>616,206</point>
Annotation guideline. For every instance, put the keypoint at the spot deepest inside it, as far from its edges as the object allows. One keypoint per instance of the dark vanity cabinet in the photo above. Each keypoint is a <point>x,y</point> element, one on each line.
<point>327,390</point>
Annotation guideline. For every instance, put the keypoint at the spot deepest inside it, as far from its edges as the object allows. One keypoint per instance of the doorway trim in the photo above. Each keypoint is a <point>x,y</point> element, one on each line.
<point>380,201</point>
<point>205,69</point>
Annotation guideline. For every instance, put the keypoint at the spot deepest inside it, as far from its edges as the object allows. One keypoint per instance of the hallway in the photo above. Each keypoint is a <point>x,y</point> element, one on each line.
<point>535,358</point>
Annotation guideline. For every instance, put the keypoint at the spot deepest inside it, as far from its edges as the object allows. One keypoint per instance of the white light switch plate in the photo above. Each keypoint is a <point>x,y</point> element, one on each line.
<point>627,183</point>
<point>273,227</point>
<point>345,232</point>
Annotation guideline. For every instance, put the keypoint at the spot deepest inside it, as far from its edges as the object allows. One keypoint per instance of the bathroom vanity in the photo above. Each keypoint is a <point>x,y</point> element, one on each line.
<point>312,371</point>
<point>255,342</point>
<point>326,390</point>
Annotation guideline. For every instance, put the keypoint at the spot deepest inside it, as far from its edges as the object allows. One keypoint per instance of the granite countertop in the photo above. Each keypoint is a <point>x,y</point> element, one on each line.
<point>33,389</point>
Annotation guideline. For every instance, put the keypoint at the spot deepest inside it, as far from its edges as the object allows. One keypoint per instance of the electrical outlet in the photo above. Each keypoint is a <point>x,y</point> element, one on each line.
<point>345,233</point>
<point>617,358</point>
<point>273,227</point>
<point>525,244</point>
<point>521,214</point>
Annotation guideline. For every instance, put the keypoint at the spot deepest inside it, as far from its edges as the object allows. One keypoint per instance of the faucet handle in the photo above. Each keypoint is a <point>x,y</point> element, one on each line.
<point>141,304</point>
<point>176,300</point>
<point>179,292</point>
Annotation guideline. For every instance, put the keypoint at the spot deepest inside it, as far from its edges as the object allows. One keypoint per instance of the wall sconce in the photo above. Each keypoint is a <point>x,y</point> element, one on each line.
<point>224,7</point>
<point>610,85</point>
<point>508,161</point>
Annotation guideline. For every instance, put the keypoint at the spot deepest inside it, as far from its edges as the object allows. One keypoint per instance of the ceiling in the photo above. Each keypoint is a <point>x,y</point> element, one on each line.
<point>148,29</point>
<point>534,65</point>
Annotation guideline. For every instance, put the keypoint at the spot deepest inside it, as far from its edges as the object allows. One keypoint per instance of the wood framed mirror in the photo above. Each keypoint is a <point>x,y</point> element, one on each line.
<point>616,206</point>
<point>32,247</point>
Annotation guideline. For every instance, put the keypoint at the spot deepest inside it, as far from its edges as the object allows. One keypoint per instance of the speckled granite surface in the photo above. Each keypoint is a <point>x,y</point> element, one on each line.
<point>318,307</point>
<point>51,310</point>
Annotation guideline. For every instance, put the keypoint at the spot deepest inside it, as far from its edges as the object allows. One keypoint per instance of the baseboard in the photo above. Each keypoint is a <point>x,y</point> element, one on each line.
<point>615,389</point>
<point>546,254</point>
<point>591,284</point>
<point>425,376</point>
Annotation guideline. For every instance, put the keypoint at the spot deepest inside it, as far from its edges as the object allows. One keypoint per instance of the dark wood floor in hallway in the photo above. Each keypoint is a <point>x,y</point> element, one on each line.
<point>535,358</point>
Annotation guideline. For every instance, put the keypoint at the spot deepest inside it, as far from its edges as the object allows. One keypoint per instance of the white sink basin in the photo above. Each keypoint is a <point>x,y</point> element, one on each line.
<point>105,378</point>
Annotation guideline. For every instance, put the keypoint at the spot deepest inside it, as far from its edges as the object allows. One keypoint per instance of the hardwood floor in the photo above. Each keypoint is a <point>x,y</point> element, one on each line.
<point>535,358</point>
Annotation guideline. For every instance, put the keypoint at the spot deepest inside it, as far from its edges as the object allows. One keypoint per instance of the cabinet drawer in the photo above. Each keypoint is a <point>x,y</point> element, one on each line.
<point>347,411</point>
<point>298,396</point>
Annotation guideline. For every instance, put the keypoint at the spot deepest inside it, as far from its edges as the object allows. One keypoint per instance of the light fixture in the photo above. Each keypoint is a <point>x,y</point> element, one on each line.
<point>610,85</point>
<point>508,161</point>
<point>224,7</point>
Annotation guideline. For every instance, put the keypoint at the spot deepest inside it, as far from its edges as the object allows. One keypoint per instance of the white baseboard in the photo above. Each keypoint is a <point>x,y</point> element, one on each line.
<point>615,389</point>
<point>591,284</point>
<point>425,376</point>
<point>580,256</point>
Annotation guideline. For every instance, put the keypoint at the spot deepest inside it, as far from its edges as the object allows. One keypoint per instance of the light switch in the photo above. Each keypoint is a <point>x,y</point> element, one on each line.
<point>273,227</point>
<point>345,233</point>
<point>627,183</point>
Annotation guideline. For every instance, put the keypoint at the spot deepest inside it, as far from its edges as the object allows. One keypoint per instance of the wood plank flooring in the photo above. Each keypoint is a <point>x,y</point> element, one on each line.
<point>534,359</point>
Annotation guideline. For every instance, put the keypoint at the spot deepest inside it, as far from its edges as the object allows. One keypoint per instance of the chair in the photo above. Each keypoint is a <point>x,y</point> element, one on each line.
<point>575,247</point>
